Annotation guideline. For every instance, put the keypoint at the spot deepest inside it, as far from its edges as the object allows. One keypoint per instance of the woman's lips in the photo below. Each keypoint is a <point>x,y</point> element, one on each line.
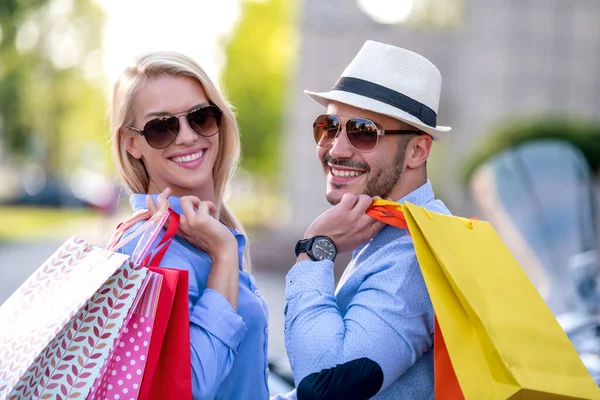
<point>190,160</point>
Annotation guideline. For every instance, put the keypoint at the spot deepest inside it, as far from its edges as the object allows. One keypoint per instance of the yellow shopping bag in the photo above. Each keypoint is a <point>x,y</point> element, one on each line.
<point>502,339</point>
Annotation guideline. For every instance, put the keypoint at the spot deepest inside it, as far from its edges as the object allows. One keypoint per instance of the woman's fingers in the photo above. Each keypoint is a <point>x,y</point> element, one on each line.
<point>192,205</point>
<point>163,198</point>
<point>151,205</point>
<point>163,201</point>
<point>189,204</point>
<point>207,207</point>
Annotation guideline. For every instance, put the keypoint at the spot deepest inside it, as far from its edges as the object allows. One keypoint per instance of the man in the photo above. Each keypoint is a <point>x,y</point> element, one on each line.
<point>372,336</point>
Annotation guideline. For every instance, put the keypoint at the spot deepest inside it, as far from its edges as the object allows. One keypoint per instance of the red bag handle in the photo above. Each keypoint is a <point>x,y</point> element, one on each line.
<point>165,242</point>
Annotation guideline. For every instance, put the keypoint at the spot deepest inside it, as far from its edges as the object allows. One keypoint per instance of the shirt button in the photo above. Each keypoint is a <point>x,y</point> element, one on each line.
<point>267,370</point>
<point>291,282</point>
<point>256,292</point>
<point>267,330</point>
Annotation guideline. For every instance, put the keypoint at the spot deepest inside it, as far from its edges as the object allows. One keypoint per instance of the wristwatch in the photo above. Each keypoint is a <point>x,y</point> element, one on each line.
<point>318,248</point>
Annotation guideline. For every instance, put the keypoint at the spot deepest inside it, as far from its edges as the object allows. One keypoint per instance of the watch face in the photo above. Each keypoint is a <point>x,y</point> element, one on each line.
<point>323,249</point>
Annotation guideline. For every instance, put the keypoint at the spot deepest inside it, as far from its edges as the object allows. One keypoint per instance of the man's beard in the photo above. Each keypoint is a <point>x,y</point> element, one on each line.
<point>382,181</point>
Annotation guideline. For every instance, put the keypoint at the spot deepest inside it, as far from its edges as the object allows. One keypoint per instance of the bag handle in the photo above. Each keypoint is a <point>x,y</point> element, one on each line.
<point>165,242</point>
<point>143,253</point>
<point>388,212</point>
<point>154,225</point>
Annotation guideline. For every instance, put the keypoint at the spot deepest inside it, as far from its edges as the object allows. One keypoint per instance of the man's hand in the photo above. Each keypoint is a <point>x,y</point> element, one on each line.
<point>346,223</point>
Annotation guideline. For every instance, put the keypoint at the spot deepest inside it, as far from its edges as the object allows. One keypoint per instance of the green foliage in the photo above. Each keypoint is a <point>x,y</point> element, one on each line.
<point>585,135</point>
<point>260,56</point>
<point>49,108</point>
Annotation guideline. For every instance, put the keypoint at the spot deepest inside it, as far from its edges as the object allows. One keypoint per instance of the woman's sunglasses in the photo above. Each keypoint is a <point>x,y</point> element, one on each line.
<point>363,134</point>
<point>161,132</point>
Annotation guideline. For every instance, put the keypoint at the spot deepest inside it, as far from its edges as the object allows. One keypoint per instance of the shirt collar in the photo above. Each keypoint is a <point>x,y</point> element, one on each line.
<point>420,196</point>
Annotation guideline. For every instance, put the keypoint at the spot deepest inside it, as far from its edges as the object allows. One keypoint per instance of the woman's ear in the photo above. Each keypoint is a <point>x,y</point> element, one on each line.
<point>131,143</point>
<point>418,150</point>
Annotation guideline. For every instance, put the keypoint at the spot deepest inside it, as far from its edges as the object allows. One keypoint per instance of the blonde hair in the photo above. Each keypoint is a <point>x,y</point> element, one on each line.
<point>131,170</point>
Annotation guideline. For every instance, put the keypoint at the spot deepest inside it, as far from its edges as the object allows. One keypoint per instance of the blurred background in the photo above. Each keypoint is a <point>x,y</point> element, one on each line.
<point>521,90</point>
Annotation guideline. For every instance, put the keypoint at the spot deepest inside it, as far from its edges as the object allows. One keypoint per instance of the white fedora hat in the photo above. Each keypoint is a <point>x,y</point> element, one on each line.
<point>391,81</point>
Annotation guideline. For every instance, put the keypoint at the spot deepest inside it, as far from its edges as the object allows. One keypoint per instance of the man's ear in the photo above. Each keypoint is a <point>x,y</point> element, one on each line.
<point>418,150</point>
<point>131,144</point>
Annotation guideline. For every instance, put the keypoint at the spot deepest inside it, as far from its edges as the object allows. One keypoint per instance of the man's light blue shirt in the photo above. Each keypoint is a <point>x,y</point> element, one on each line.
<point>380,311</point>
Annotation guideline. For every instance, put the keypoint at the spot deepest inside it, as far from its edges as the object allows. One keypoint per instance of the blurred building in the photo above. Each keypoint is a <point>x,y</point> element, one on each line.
<point>499,61</point>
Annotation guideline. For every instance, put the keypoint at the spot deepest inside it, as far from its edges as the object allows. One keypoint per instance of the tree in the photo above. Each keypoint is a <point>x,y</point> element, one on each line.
<point>51,93</point>
<point>260,56</point>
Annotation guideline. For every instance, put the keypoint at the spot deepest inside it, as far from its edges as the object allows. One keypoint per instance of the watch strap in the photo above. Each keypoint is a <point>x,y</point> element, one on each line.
<point>303,246</point>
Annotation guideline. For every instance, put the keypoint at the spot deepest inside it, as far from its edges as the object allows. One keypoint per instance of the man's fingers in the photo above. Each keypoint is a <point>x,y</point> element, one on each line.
<point>377,226</point>
<point>348,200</point>
<point>363,203</point>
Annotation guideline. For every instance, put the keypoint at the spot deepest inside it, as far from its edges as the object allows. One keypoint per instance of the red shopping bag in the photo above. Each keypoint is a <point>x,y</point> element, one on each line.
<point>161,320</point>
<point>173,376</point>
<point>168,371</point>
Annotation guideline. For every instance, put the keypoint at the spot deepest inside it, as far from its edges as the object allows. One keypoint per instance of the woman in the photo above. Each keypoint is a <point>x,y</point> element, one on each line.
<point>174,133</point>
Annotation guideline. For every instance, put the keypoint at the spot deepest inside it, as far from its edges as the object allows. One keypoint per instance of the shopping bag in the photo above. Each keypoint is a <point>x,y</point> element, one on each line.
<point>172,378</point>
<point>445,383</point>
<point>501,338</point>
<point>57,329</point>
<point>161,320</point>
<point>49,301</point>
<point>77,355</point>
<point>122,374</point>
<point>167,372</point>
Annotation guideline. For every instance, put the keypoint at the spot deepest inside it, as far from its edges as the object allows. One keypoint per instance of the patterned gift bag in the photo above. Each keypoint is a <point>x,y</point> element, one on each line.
<point>50,302</point>
<point>68,366</point>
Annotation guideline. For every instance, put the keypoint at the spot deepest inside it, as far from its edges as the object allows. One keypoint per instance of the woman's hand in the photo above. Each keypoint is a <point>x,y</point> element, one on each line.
<point>199,225</point>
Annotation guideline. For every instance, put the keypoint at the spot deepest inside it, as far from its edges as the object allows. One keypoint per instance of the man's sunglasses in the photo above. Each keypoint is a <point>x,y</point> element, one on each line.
<point>363,134</point>
<point>161,132</point>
